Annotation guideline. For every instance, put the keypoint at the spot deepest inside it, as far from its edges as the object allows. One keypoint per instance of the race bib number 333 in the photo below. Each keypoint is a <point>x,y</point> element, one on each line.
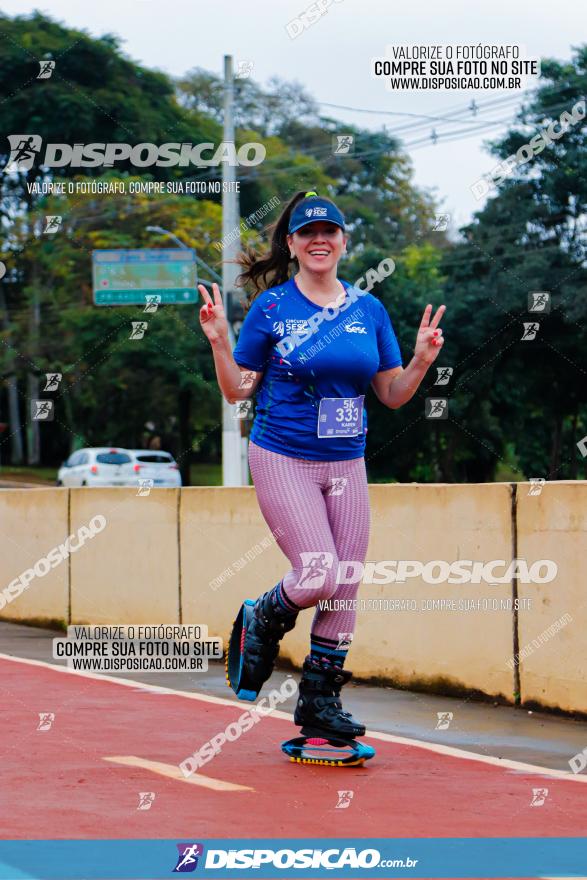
<point>340,416</point>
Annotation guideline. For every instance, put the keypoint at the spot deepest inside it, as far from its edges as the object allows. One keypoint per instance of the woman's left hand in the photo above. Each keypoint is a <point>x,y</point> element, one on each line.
<point>429,340</point>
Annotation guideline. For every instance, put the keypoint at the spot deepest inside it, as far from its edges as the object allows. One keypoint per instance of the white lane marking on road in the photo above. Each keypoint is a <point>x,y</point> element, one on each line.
<point>534,769</point>
<point>173,772</point>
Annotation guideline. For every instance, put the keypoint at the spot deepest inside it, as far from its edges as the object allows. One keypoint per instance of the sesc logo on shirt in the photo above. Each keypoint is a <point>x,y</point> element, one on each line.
<point>311,367</point>
<point>290,327</point>
<point>355,327</point>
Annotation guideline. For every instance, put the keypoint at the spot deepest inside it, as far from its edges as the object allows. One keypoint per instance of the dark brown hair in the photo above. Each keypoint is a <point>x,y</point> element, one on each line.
<point>262,271</point>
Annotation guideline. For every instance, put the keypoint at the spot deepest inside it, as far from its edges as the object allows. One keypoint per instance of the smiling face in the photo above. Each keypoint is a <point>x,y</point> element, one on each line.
<point>318,246</point>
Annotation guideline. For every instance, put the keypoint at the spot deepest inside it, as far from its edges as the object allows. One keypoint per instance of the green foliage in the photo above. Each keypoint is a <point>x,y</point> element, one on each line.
<point>529,237</point>
<point>516,408</point>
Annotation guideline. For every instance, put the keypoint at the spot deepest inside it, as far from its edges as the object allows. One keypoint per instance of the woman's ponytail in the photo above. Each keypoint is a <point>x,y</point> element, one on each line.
<point>269,270</point>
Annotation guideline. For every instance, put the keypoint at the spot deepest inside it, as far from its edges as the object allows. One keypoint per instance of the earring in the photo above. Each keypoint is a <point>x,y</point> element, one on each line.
<point>292,255</point>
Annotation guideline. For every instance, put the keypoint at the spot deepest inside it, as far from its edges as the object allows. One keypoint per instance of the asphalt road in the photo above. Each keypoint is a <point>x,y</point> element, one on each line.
<point>483,728</point>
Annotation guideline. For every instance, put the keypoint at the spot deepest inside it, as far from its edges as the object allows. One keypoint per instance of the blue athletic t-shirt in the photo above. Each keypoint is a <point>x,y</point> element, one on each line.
<point>317,365</point>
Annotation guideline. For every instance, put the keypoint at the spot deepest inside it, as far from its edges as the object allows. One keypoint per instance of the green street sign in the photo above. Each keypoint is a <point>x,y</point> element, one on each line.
<point>130,277</point>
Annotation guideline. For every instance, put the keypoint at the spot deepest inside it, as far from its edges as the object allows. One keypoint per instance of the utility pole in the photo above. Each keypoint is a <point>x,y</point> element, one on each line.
<point>14,426</point>
<point>185,397</point>
<point>33,432</point>
<point>234,457</point>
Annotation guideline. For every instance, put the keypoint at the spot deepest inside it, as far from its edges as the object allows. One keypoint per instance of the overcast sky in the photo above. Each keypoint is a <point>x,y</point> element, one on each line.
<point>332,59</point>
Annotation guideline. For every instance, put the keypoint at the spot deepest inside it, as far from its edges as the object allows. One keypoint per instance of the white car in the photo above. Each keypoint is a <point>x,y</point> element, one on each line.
<point>155,465</point>
<point>98,466</point>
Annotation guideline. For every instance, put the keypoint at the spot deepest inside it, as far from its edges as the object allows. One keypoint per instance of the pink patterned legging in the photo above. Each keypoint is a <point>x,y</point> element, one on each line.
<point>319,514</point>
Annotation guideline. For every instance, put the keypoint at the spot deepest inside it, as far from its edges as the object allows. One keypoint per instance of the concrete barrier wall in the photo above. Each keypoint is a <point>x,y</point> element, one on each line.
<point>428,523</point>
<point>33,522</point>
<point>553,632</point>
<point>193,555</point>
<point>425,523</point>
<point>128,572</point>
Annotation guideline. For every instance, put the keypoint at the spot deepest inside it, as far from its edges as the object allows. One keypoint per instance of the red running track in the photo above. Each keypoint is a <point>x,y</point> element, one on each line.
<point>58,784</point>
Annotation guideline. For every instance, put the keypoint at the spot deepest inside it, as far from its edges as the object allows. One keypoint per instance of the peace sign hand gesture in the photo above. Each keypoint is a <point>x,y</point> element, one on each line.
<point>212,317</point>
<point>429,340</point>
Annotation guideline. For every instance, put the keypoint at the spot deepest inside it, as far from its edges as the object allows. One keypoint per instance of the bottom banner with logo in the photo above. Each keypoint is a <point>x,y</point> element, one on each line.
<point>302,858</point>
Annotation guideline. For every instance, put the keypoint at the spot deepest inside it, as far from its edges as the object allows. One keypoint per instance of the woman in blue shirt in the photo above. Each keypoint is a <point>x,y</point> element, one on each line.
<point>309,347</point>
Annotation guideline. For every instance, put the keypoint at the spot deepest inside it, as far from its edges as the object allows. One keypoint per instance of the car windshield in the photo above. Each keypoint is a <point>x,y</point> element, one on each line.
<point>112,458</point>
<point>154,458</point>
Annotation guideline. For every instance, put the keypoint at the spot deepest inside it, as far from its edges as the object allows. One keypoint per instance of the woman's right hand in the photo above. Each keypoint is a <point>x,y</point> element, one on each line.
<point>212,317</point>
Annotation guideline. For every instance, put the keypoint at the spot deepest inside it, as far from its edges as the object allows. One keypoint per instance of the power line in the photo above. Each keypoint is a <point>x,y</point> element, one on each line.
<point>459,110</point>
<point>448,118</point>
<point>449,137</point>
<point>510,252</point>
<point>455,107</point>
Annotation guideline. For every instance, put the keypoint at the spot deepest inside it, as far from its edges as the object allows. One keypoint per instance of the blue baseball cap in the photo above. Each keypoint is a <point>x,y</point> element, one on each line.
<point>311,209</point>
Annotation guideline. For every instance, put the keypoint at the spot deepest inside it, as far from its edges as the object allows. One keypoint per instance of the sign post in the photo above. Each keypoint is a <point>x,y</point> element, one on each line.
<point>128,277</point>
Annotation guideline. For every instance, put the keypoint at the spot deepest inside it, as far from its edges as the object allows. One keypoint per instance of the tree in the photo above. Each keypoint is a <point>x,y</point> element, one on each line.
<point>530,237</point>
<point>80,103</point>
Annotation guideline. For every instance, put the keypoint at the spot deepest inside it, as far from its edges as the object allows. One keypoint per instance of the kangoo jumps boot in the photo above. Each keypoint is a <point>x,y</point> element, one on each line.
<point>254,644</point>
<point>319,709</point>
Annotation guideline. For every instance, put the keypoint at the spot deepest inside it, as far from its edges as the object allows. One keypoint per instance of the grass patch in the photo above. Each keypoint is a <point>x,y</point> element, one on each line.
<point>29,474</point>
<point>205,474</point>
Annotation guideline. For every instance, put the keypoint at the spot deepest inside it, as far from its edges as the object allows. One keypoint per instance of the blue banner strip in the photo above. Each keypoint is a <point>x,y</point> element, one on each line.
<point>277,858</point>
